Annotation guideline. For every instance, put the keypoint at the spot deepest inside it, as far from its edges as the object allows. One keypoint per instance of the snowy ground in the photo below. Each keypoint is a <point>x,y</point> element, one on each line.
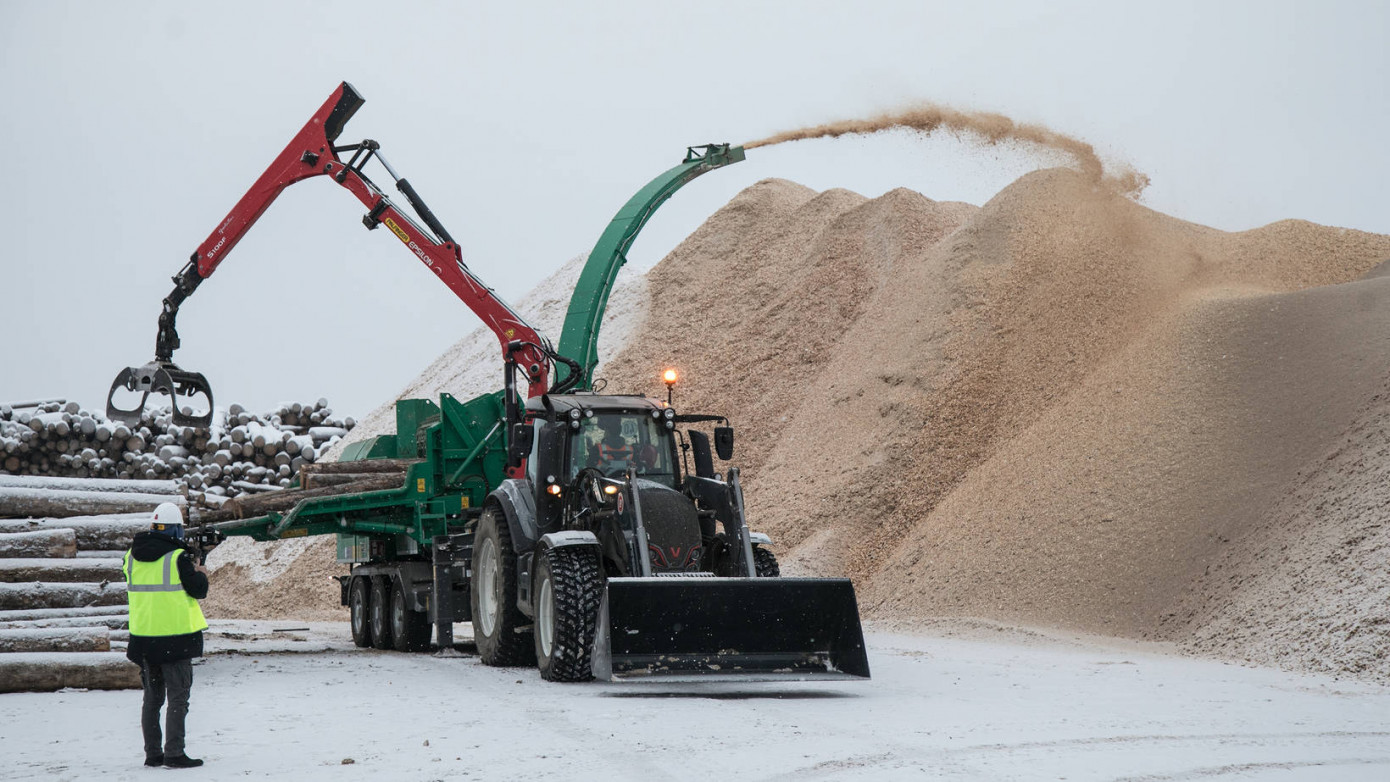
<point>1010,705</point>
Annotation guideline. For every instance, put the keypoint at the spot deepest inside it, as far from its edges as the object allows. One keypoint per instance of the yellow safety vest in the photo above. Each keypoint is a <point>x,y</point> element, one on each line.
<point>158,604</point>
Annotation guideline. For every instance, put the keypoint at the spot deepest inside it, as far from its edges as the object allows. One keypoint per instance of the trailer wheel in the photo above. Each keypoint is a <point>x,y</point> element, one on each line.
<point>410,630</point>
<point>358,611</point>
<point>381,605</point>
<point>569,587</point>
<point>492,593</point>
<point>765,563</point>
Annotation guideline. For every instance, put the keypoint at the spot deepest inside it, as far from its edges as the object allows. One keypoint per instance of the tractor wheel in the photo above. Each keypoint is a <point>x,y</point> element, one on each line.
<point>359,606</point>
<point>410,630</point>
<point>765,563</point>
<point>569,587</point>
<point>380,612</point>
<point>493,594</point>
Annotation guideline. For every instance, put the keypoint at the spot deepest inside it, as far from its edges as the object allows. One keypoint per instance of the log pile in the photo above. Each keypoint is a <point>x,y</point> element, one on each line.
<point>240,452</point>
<point>63,618</point>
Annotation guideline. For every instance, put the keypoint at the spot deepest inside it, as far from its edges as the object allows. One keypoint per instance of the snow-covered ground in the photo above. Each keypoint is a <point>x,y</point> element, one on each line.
<point>942,706</point>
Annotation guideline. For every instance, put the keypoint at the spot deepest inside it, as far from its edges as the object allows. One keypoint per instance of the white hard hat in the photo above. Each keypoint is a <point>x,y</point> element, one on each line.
<point>168,514</point>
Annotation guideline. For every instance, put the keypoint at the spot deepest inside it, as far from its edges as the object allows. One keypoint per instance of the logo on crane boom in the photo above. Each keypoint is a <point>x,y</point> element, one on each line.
<point>396,229</point>
<point>405,238</point>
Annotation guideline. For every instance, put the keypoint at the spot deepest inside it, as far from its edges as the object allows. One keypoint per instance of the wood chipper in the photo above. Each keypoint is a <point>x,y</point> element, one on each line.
<point>567,526</point>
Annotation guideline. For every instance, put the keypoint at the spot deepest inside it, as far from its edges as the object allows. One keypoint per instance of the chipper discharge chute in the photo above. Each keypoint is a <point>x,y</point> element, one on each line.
<point>735,628</point>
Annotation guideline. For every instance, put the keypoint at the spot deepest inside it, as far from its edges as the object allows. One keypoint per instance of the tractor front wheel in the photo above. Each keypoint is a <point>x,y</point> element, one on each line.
<point>569,587</point>
<point>765,563</point>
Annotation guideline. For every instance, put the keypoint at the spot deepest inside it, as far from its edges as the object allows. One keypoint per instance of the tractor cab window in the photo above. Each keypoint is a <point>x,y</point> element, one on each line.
<point>611,443</point>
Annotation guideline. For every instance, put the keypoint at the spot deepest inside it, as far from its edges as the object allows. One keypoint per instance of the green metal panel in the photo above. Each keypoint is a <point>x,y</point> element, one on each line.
<point>579,339</point>
<point>412,416</point>
<point>379,447</point>
<point>464,456</point>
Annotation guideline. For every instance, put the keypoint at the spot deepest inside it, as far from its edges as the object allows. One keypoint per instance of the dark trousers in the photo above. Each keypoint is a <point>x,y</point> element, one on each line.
<point>174,681</point>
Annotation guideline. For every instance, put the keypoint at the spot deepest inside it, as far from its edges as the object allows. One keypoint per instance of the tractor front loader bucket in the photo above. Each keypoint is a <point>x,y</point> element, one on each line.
<point>739,629</point>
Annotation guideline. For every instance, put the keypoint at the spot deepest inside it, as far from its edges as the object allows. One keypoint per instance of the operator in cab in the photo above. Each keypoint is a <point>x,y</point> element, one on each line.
<point>613,452</point>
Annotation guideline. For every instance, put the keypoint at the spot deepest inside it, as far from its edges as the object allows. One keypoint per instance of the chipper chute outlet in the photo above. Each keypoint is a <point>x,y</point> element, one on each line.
<point>732,628</point>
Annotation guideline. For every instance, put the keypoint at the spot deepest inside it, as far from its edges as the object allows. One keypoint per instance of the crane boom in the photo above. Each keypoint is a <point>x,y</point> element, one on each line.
<point>309,154</point>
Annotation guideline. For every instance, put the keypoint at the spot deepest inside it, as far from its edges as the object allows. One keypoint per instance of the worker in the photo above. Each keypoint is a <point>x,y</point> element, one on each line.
<point>163,585</point>
<point>614,451</point>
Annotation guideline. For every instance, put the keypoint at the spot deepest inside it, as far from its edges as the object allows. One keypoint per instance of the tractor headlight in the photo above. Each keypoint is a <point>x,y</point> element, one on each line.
<point>670,424</point>
<point>574,414</point>
<point>553,489</point>
<point>656,414</point>
<point>610,489</point>
<point>669,413</point>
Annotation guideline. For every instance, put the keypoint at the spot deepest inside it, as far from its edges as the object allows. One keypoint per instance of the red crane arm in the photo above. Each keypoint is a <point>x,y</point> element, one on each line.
<point>311,153</point>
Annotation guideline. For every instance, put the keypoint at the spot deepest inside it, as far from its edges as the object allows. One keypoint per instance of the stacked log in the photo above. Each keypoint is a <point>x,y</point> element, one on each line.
<point>63,618</point>
<point>57,438</point>
<point>72,639</point>
<point>95,535</point>
<point>42,671</point>
<point>39,543</point>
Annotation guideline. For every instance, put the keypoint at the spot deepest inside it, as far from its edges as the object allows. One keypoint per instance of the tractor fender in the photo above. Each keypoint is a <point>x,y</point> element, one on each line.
<point>571,537</point>
<point>759,538</point>
<point>518,505</point>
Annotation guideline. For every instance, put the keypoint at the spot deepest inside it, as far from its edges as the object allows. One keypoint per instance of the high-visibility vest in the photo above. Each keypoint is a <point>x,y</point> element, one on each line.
<point>158,604</point>
<point>615,453</point>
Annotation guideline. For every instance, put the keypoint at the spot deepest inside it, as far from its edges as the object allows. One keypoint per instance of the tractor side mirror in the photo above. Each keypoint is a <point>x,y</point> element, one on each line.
<point>520,445</point>
<point>724,442</point>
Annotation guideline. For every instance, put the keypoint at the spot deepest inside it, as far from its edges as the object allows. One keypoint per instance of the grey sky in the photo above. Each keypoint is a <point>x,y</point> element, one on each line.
<point>130,130</point>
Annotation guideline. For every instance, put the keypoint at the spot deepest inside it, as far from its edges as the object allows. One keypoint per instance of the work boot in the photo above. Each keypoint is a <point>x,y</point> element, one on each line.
<point>181,761</point>
<point>154,760</point>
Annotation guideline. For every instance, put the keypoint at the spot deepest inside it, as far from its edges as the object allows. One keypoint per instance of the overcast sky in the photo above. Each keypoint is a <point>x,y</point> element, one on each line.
<point>130,129</point>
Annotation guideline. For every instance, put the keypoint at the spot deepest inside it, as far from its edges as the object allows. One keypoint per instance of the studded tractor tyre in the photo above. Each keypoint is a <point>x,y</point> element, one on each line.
<point>568,589</point>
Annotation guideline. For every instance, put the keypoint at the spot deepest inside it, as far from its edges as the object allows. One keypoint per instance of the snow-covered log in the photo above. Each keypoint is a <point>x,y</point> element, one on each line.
<point>110,621</point>
<point>47,671</point>
<point>318,480</point>
<point>248,506</point>
<point>47,543</point>
<point>59,639</point>
<point>108,533</point>
<point>125,486</point>
<point>60,613</point>
<point>369,465</point>
<point>62,503</point>
<point>48,595</point>
<point>70,570</point>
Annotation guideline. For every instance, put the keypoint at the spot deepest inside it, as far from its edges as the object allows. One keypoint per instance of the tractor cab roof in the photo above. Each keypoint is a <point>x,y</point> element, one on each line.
<point>599,403</point>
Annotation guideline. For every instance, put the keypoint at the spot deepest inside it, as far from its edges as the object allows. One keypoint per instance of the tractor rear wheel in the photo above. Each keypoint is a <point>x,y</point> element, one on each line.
<point>569,587</point>
<point>492,591</point>
<point>410,630</point>
<point>380,609</point>
<point>358,608</point>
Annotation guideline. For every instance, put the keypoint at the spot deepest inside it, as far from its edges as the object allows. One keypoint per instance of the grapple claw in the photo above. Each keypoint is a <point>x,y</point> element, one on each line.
<point>160,378</point>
